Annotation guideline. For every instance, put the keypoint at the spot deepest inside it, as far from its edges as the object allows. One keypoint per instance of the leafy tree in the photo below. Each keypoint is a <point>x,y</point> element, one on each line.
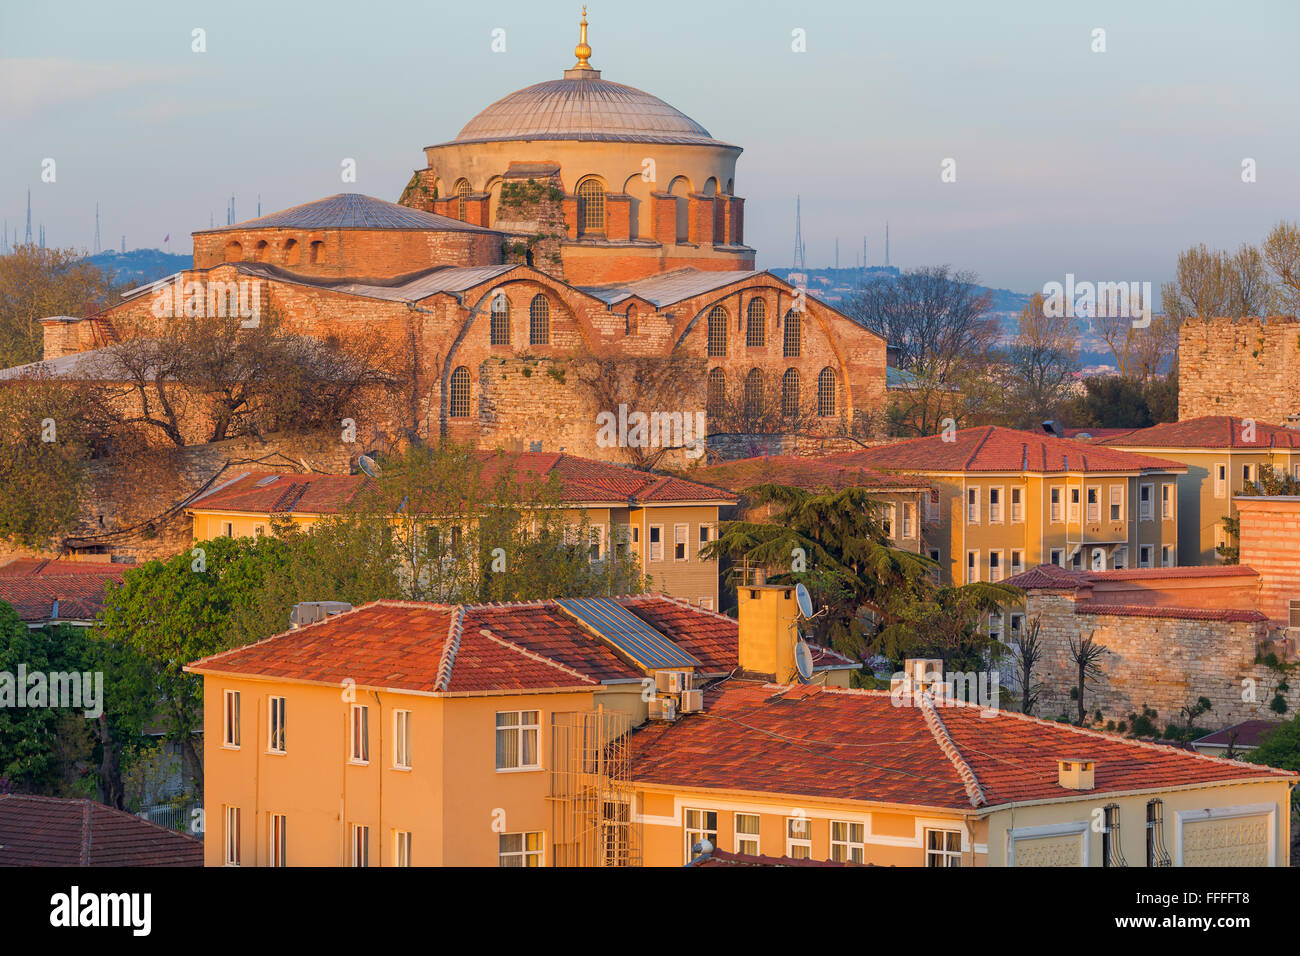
<point>36,283</point>
<point>1113,401</point>
<point>1279,748</point>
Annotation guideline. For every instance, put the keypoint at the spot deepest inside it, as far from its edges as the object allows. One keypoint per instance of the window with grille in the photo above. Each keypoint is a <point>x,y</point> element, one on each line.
<point>539,321</point>
<point>1157,855</point>
<point>756,329</point>
<point>717,391</point>
<point>591,206</point>
<point>790,393</point>
<point>793,334</point>
<point>1111,852</point>
<point>500,320</point>
<point>754,393</point>
<point>1293,616</point>
<point>827,386</point>
<point>459,405</point>
<point>717,331</point>
<point>462,195</point>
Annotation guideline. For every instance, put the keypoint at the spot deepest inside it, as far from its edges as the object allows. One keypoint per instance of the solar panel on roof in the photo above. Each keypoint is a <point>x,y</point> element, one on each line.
<point>627,632</point>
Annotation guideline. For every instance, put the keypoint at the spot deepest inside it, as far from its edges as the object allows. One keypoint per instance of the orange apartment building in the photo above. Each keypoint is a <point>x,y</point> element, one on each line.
<point>644,731</point>
<point>663,520</point>
<point>1002,500</point>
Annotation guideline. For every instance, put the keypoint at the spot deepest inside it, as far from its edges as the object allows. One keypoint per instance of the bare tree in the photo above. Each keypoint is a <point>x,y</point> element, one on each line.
<point>1040,363</point>
<point>1086,655</point>
<point>1026,653</point>
<point>672,384</point>
<point>1282,254</point>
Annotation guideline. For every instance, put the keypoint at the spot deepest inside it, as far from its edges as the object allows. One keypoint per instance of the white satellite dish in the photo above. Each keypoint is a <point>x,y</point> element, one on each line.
<point>804,600</point>
<point>803,660</point>
<point>368,465</point>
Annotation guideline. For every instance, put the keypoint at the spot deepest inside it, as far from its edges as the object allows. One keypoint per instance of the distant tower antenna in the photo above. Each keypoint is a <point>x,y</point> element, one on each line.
<point>42,235</point>
<point>259,205</point>
<point>28,239</point>
<point>98,248</point>
<point>800,265</point>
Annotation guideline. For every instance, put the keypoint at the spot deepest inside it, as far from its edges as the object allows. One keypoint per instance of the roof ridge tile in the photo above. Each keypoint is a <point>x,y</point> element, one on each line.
<point>940,733</point>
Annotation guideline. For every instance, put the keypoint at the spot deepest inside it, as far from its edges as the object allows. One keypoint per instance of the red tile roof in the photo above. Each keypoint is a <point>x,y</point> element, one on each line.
<point>60,567</point>
<point>581,480</point>
<point>858,745</point>
<point>1248,733</point>
<point>1047,577</point>
<point>33,586</point>
<point>814,474</point>
<point>1052,577</point>
<point>51,831</point>
<point>1208,431</point>
<point>992,448</point>
<point>1174,613</point>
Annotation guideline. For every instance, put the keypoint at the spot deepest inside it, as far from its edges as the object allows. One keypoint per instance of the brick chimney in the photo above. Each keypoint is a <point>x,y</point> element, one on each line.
<point>767,632</point>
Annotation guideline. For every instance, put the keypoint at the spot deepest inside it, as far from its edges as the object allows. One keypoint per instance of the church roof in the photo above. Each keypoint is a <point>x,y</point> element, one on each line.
<point>352,211</point>
<point>585,108</point>
<point>669,287</point>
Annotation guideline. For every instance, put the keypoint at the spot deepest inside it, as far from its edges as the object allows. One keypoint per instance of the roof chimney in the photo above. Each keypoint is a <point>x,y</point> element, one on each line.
<point>1075,773</point>
<point>1054,427</point>
<point>767,631</point>
<point>920,675</point>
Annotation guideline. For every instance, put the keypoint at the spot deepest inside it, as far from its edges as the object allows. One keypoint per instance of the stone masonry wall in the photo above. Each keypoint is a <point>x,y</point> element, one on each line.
<point>1245,367</point>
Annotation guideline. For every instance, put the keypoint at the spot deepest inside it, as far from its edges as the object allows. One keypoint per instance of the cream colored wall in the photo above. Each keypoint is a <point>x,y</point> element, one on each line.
<point>1070,823</point>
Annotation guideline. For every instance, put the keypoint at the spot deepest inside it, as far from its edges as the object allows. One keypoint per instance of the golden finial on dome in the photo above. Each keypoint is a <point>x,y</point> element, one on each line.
<point>582,50</point>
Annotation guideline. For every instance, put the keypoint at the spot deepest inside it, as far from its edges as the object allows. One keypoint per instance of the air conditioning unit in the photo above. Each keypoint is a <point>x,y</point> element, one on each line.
<point>692,701</point>
<point>309,612</point>
<point>672,682</point>
<point>663,708</point>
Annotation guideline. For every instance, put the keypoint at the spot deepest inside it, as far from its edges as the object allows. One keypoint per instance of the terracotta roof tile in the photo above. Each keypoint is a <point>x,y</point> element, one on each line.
<point>80,593</point>
<point>814,474</point>
<point>1174,613</point>
<point>1047,577</point>
<point>1208,431</point>
<point>52,831</point>
<point>995,449</point>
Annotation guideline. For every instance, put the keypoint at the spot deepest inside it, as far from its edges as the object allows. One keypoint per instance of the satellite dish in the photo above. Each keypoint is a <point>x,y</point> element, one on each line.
<point>368,465</point>
<point>803,599</point>
<point>803,660</point>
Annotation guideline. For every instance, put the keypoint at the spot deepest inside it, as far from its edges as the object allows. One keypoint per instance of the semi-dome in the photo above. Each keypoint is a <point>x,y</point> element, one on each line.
<point>582,106</point>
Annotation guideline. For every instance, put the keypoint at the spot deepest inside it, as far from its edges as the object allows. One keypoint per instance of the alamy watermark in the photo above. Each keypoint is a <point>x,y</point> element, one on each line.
<point>58,689</point>
<point>626,429</point>
<point>1088,300</point>
<point>981,688</point>
<point>210,299</point>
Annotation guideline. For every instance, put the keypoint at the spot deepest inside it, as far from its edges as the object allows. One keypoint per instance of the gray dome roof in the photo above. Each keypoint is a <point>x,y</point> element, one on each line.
<point>584,108</point>
<point>352,211</point>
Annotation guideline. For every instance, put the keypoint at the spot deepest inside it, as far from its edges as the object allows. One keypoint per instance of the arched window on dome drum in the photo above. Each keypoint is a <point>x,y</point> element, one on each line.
<point>754,393</point>
<point>717,397</point>
<point>500,319</point>
<point>756,331</point>
<point>539,321</point>
<point>717,331</point>
<point>261,250</point>
<point>790,393</point>
<point>462,194</point>
<point>291,252</point>
<point>458,407</point>
<point>317,251</point>
<point>591,206</point>
<point>827,386</point>
<point>793,334</point>
<point>234,252</point>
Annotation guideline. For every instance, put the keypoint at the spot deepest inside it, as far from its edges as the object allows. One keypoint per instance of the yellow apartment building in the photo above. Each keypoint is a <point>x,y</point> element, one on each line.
<point>663,520</point>
<point>644,731</point>
<point>1223,455</point>
<point>1003,500</point>
<point>901,498</point>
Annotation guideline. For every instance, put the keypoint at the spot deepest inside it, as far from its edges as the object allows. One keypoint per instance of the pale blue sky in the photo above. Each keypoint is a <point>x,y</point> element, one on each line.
<point>1100,164</point>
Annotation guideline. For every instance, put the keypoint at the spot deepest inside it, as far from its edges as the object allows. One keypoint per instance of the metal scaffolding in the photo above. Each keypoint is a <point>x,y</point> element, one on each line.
<point>593,819</point>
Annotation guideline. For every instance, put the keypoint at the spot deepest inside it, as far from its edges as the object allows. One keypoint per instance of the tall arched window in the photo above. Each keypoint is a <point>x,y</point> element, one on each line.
<point>793,334</point>
<point>754,393</point>
<point>630,320</point>
<point>291,252</point>
<point>790,393</point>
<point>539,321</point>
<point>261,250</point>
<point>717,331</point>
<point>827,386</point>
<point>234,251</point>
<point>462,194</point>
<point>458,407</point>
<point>591,206</point>
<point>717,398</point>
<point>756,331</point>
<point>317,251</point>
<point>500,319</point>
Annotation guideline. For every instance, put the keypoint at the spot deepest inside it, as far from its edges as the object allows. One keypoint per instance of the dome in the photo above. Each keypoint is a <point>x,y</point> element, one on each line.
<point>584,107</point>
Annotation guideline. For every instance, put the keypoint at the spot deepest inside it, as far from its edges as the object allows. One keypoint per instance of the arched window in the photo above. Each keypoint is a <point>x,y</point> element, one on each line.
<point>462,194</point>
<point>630,320</point>
<point>234,252</point>
<point>591,206</point>
<point>291,252</point>
<point>827,386</point>
<point>754,393</point>
<point>717,399</point>
<point>539,321</point>
<point>756,332</point>
<point>717,331</point>
<point>500,319</point>
<point>260,250</point>
<point>458,407</point>
<point>790,393</point>
<point>317,251</point>
<point>793,334</point>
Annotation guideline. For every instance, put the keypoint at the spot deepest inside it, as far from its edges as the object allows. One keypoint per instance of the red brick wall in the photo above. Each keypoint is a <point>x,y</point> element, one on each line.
<point>1270,543</point>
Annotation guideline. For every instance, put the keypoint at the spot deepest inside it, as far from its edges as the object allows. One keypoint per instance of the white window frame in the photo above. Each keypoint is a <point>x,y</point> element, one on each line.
<point>402,740</point>
<point>596,543</point>
<point>1056,506</point>
<point>276,712</point>
<point>656,548</point>
<point>972,566</point>
<point>681,541</point>
<point>527,856</point>
<point>1145,552</point>
<point>997,624</point>
<point>944,854</point>
<point>401,848</point>
<point>1075,504</point>
<point>705,536</point>
<point>848,845</point>
<point>522,728</point>
<point>706,603</point>
<point>359,734</point>
<point>1017,561</point>
<point>1166,555</point>
<point>360,845</point>
<point>1115,504</point>
<point>1093,507</point>
<point>279,842</point>
<point>909,520</point>
<point>754,840</point>
<point>692,834</point>
<point>995,504</point>
<point>934,506</point>
<point>793,842</point>
<point>1017,504</point>
<point>972,506</point>
<point>1057,557</point>
<point>230,720</point>
<point>234,842</point>
<point>996,567</point>
<point>887,515</point>
<point>1168,509</point>
<point>1147,505</point>
<point>1220,479</point>
<point>1015,622</point>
